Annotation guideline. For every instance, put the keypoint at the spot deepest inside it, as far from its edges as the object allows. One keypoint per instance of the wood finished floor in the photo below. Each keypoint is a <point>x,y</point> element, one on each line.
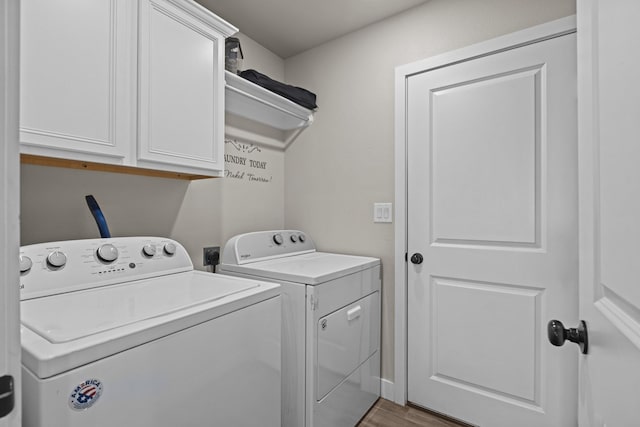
<point>387,414</point>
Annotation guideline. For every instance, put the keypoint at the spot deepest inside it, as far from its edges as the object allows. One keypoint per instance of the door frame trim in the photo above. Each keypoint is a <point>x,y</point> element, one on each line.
<point>10,195</point>
<point>514,40</point>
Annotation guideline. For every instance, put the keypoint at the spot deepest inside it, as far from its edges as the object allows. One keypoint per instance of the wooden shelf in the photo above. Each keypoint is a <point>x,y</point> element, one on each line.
<point>246,99</point>
<point>91,166</point>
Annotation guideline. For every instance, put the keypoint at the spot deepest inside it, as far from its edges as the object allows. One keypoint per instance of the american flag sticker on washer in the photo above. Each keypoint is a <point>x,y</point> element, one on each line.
<point>85,394</point>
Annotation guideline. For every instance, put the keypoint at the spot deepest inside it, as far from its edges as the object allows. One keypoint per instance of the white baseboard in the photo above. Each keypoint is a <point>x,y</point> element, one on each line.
<point>387,390</point>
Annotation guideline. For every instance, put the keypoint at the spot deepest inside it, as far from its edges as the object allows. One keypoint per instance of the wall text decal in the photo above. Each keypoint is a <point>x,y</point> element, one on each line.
<point>243,164</point>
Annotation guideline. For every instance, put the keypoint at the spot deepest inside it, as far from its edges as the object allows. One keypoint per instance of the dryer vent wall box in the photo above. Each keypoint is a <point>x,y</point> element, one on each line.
<point>330,324</point>
<point>121,331</point>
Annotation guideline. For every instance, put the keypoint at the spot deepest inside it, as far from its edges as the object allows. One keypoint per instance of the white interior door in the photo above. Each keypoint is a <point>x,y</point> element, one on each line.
<point>9,226</point>
<point>492,207</point>
<point>609,211</point>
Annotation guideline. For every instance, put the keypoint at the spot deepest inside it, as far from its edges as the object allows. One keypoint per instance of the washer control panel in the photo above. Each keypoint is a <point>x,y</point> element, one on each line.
<point>263,245</point>
<point>66,266</point>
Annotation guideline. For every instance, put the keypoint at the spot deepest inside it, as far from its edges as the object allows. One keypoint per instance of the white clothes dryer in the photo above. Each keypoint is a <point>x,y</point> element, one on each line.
<point>330,324</point>
<point>123,332</point>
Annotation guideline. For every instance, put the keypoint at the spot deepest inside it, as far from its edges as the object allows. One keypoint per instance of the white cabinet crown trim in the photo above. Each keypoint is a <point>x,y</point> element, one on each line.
<point>206,16</point>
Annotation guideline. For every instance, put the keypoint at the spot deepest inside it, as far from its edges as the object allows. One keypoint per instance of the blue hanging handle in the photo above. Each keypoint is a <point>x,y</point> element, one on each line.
<point>98,216</point>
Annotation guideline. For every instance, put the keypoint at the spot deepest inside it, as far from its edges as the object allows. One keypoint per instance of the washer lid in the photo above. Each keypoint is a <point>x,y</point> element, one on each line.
<point>64,331</point>
<point>67,317</point>
<point>311,269</point>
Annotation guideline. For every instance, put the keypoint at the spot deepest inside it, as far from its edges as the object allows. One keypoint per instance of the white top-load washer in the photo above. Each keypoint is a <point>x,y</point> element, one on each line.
<point>330,324</point>
<point>123,332</point>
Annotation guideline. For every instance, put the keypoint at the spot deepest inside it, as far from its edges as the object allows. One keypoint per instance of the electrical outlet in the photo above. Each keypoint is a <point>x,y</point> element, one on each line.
<point>211,255</point>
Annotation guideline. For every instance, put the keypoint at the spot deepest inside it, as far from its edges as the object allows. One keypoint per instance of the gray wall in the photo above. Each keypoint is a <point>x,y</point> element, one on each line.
<point>344,163</point>
<point>197,214</point>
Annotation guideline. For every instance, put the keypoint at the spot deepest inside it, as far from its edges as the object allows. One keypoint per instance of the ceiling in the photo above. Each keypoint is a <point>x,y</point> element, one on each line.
<point>288,27</point>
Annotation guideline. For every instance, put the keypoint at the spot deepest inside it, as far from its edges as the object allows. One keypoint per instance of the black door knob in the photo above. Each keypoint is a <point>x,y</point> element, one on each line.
<point>417,258</point>
<point>7,395</point>
<point>558,334</point>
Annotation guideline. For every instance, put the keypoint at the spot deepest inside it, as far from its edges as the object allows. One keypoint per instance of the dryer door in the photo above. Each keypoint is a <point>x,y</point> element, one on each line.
<point>345,339</point>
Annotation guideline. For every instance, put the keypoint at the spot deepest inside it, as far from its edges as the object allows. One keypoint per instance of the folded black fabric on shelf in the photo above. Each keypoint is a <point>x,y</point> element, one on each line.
<point>296,94</point>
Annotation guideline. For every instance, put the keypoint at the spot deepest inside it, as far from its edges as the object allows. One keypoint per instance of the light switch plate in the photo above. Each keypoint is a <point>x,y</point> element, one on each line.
<point>383,212</point>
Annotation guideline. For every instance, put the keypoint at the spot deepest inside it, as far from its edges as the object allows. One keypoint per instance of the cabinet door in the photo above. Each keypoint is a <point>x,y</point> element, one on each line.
<point>77,79</point>
<point>181,103</point>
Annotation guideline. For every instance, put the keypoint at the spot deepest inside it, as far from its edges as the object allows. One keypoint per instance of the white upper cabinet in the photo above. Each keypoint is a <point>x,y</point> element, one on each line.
<point>77,79</point>
<point>181,76</point>
<point>122,82</point>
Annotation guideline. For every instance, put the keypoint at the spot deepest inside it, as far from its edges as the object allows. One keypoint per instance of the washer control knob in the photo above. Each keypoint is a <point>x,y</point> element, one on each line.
<point>301,238</point>
<point>277,239</point>
<point>56,259</point>
<point>107,252</point>
<point>170,249</point>
<point>294,238</point>
<point>149,250</point>
<point>25,263</point>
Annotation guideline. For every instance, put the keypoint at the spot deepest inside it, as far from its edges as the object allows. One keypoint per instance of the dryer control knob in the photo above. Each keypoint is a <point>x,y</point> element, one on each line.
<point>301,238</point>
<point>149,250</point>
<point>294,238</point>
<point>25,263</point>
<point>107,252</point>
<point>170,249</point>
<point>56,259</point>
<point>277,239</point>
